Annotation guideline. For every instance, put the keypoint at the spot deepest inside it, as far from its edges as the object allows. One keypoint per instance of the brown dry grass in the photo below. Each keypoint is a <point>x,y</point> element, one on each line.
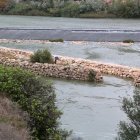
<point>12,123</point>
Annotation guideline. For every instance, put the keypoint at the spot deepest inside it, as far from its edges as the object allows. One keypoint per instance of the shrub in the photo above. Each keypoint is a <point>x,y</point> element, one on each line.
<point>42,56</point>
<point>21,9</point>
<point>56,12</point>
<point>70,10</point>
<point>131,130</point>
<point>6,5</point>
<point>127,9</point>
<point>56,40</point>
<point>37,99</point>
<point>92,76</point>
<point>85,7</point>
<point>36,12</point>
<point>128,41</point>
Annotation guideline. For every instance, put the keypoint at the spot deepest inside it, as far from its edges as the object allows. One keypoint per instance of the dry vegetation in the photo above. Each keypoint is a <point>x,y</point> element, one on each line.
<point>7,54</point>
<point>12,124</point>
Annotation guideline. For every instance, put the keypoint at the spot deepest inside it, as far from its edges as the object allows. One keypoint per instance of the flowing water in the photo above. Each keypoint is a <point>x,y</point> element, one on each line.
<point>67,23</point>
<point>118,53</point>
<point>92,111</point>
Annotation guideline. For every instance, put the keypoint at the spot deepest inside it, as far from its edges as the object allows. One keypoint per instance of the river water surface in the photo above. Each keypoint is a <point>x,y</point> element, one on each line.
<point>118,53</point>
<point>36,22</point>
<point>92,111</point>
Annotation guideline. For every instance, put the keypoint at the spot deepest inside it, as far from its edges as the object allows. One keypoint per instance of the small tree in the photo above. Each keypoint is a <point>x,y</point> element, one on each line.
<point>131,130</point>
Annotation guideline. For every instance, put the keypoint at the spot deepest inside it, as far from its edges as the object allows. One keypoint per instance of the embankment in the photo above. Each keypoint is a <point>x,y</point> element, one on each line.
<point>21,59</point>
<point>70,68</point>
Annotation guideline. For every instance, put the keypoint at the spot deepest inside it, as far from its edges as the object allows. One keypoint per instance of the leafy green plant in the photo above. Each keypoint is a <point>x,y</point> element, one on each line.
<point>21,9</point>
<point>126,9</point>
<point>56,40</point>
<point>128,41</point>
<point>70,10</point>
<point>131,130</point>
<point>37,99</point>
<point>42,56</point>
<point>92,76</point>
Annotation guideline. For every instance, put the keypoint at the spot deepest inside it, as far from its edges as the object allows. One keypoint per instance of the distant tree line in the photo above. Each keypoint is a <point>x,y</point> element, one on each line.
<point>73,8</point>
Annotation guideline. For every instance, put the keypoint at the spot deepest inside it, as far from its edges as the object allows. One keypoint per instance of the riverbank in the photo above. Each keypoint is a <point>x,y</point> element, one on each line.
<point>94,9</point>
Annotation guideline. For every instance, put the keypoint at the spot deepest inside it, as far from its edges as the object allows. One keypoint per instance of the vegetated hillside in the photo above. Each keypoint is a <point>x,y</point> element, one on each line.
<point>12,120</point>
<point>70,8</point>
<point>33,96</point>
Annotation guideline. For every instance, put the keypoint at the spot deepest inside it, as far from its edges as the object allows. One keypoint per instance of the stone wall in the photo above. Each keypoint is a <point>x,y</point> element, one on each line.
<point>21,59</point>
<point>72,68</point>
<point>106,68</point>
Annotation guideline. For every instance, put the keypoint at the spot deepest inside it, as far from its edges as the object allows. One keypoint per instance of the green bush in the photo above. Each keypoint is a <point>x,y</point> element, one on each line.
<point>56,40</point>
<point>6,5</point>
<point>56,12</point>
<point>92,76</point>
<point>37,99</point>
<point>131,130</point>
<point>21,9</point>
<point>42,56</point>
<point>85,7</point>
<point>127,9</point>
<point>70,10</point>
<point>36,12</point>
<point>97,15</point>
<point>128,41</point>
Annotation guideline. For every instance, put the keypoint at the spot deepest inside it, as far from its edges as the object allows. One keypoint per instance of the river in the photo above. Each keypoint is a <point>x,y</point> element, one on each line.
<point>37,22</point>
<point>69,29</point>
<point>92,111</point>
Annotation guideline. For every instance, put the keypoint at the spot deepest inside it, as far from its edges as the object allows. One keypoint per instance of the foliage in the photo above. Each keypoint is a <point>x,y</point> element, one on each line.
<point>37,99</point>
<point>56,12</point>
<point>128,41</point>
<point>97,15</point>
<point>42,56</point>
<point>85,7</point>
<point>67,8</point>
<point>5,5</point>
<point>21,9</point>
<point>92,75</point>
<point>70,10</point>
<point>127,9</point>
<point>56,40</point>
<point>131,130</point>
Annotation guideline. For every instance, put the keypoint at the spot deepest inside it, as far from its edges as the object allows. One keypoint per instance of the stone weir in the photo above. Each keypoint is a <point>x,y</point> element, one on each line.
<point>18,58</point>
<point>68,67</point>
<point>106,68</point>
